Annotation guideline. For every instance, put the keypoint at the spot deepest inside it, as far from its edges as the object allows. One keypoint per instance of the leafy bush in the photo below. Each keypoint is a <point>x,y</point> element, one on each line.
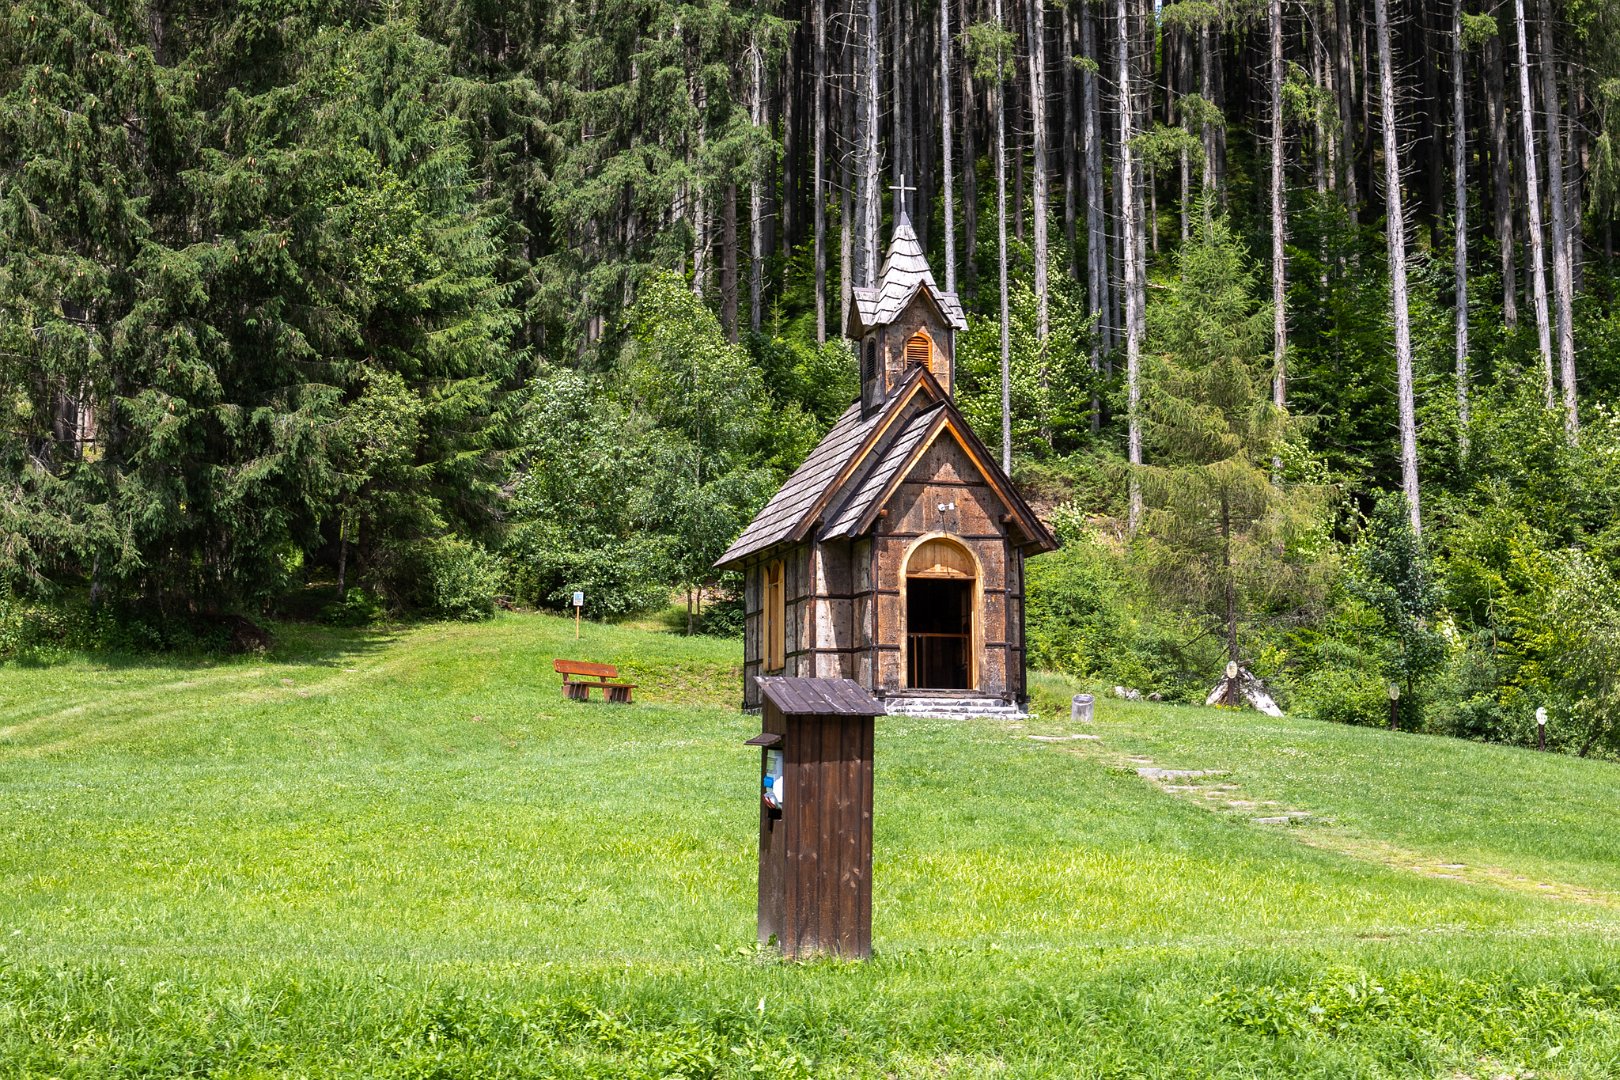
<point>1083,619</point>
<point>723,616</point>
<point>32,632</point>
<point>39,632</point>
<point>359,607</point>
<point>1343,696</point>
<point>456,579</point>
<point>547,561</point>
<point>1074,618</point>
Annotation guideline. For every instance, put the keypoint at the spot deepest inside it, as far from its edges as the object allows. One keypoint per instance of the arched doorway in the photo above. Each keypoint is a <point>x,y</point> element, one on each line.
<point>941,594</point>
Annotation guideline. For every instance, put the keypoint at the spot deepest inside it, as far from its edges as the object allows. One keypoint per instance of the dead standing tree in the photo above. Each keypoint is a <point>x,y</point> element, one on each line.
<point>1395,229</point>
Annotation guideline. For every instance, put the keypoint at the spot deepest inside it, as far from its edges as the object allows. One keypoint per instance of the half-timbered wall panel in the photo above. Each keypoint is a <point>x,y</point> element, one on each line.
<point>753,630</point>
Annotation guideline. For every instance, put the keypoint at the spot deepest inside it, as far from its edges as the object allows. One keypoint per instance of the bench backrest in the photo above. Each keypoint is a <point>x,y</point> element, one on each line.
<point>581,667</point>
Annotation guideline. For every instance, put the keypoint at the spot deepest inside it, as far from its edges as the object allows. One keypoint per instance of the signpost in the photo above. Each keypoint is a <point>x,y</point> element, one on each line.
<point>579,602</point>
<point>1541,729</point>
<point>1394,706</point>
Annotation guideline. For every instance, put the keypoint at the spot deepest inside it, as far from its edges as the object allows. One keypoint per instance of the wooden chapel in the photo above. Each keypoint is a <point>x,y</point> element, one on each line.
<point>894,555</point>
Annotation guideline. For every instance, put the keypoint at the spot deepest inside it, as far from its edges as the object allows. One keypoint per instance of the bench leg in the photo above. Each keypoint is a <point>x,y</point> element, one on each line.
<point>576,691</point>
<point>619,694</point>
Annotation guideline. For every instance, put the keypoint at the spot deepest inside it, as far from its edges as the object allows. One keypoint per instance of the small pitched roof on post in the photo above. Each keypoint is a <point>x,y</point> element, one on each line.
<point>905,272</point>
<point>799,696</point>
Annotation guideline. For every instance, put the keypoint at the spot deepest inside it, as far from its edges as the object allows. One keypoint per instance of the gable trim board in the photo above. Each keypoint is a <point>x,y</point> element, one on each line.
<point>948,420</point>
<point>805,494</point>
<point>803,500</point>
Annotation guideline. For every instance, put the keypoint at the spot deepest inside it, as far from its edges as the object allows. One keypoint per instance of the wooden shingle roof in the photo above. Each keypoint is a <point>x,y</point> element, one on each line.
<point>858,464</point>
<point>782,516</point>
<point>905,272</point>
<point>878,478</point>
<point>797,696</point>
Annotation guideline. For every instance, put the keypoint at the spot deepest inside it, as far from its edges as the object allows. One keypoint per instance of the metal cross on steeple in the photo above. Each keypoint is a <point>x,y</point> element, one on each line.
<point>899,194</point>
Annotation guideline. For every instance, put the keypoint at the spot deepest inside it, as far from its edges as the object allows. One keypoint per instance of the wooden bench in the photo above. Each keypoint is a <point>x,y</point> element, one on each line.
<point>581,690</point>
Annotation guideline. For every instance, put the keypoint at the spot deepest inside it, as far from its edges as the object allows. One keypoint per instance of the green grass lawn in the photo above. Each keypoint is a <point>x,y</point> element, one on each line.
<point>404,854</point>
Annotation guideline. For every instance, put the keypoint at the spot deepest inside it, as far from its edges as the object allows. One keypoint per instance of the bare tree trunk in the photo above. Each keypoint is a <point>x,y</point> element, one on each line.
<point>1096,240</point>
<point>1206,89</point>
<point>1152,185</point>
<point>1186,194</point>
<point>1396,230</point>
<point>756,196</point>
<point>1580,165</point>
<point>818,180</point>
<point>1229,587</point>
<point>1070,203</point>
<point>728,263</point>
<point>1502,177</point>
<point>1133,328</point>
<point>1459,168</point>
<point>1035,20</point>
<point>1279,223</point>
<point>850,215</point>
<point>1563,278</point>
<point>1538,271</point>
<point>945,142</point>
<point>343,557</point>
<point>846,256</point>
<point>970,163</point>
<point>1322,80</point>
<point>1035,17</point>
<point>1001,256</point>
<point>1347,107</point>
<point>870,208</point>
<point>899,143</point>
<point>700,202</point>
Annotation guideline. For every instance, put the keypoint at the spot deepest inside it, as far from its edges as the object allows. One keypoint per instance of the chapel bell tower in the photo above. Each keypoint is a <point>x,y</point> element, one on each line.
<point>905,320</point>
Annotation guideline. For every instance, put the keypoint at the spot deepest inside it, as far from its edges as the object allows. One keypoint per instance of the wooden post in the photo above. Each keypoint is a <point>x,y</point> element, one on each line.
<point>815,817</point>
<point>579,602</point>
<point>1541,729</point>
<point>1394,707</point>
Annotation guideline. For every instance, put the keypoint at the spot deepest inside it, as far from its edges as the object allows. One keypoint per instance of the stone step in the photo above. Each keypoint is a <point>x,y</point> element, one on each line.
<point>954,708</point>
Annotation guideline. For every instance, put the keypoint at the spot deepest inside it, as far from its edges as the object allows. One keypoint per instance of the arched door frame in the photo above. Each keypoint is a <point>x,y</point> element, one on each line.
<point>976,623</point>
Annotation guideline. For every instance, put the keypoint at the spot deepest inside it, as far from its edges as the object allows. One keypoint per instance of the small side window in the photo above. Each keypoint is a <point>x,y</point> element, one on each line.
<point>775,650</point>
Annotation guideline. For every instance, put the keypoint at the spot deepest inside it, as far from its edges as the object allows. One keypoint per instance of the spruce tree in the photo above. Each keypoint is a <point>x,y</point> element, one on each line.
<point>1223,535</point>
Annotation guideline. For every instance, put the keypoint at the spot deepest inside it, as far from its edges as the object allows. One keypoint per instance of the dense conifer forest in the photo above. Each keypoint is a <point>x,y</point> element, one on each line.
<point>1297,319</point>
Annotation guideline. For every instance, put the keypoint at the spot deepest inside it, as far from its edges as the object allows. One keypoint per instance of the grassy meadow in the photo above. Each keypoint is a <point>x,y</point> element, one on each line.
<point>403,854</point>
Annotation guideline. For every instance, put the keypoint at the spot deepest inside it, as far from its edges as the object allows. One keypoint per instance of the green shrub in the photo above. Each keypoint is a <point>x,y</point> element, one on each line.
<point>1074,619</point>
<point>546,563</point>
<point>32,632</point>
<point>1343,696</point>
<point>455,579</point>
<point>359,607</point>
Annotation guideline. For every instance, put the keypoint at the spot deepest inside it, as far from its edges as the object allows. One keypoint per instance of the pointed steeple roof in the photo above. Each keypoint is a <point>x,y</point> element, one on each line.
<point>905,271</point>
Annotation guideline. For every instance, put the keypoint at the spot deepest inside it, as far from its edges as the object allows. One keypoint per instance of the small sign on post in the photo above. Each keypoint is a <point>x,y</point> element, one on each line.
<point>1394,706</point>
<point>1541,728</point>
<point>579,602</point>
